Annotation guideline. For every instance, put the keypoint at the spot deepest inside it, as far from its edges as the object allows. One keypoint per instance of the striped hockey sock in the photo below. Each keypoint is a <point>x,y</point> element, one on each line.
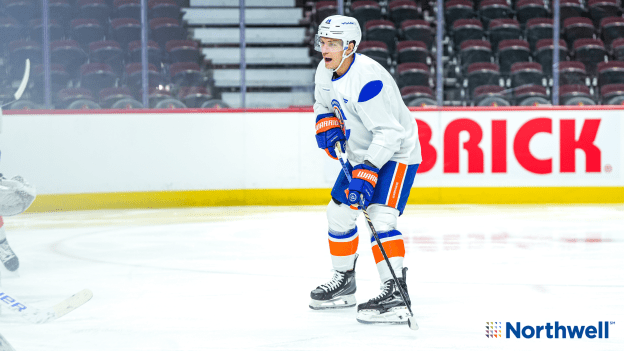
<point>392,242</point>
<point>342,247</point>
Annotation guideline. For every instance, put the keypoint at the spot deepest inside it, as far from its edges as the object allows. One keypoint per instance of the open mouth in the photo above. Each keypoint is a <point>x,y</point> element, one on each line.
<point>328,59</point>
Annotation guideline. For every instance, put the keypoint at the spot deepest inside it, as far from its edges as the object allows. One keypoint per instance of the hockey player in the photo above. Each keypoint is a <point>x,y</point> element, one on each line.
<point>16,195</point>
<point>358,105</point>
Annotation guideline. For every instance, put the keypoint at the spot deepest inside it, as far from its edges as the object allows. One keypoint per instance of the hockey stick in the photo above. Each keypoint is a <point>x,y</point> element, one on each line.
<point>411,321</point>
<point>4,344</point>
<point>49,314</point>
<point>23,84</point>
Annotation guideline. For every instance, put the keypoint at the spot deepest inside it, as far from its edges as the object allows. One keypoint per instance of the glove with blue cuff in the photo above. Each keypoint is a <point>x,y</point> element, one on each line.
<point>328,133</point>
<point>363,180</point>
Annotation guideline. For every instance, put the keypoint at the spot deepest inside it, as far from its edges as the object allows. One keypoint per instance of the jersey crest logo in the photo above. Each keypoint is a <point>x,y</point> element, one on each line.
<point>341,117</point>
<point>329,20</point>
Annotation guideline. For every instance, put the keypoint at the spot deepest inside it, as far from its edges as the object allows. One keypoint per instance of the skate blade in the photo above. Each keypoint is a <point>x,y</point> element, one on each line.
<point>338,302</point>
<point>397,315</point>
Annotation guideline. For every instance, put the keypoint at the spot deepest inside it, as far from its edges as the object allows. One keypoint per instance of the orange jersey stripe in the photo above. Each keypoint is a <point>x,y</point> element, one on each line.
<point>326,124</point>
<point>344,248</point>
<point>366,175</point>
<point>395,189</point>
<point>394,248</point>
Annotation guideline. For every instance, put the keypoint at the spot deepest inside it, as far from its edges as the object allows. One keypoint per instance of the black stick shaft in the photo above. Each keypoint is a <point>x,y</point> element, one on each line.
<point>372,228</point>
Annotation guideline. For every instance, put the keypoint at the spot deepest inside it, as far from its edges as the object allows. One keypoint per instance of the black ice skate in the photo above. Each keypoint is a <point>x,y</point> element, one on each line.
<point>8,257</point>
<point>389,307</point>
<point>337,293</point>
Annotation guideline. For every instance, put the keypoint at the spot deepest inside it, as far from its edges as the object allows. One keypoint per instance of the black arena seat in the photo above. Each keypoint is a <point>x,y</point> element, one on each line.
<point>575,95</point>
<point>511,51</point>
<point>544,54</point>
<point>413,74</point>
<point>573,73</point>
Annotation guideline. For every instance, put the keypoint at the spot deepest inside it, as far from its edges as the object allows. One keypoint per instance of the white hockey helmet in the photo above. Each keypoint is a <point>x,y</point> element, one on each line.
<point>347,29</point>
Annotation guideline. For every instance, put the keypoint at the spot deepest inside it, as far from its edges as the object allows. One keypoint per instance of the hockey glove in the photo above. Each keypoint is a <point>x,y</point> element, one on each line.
<point>363,181</point>
<point>328,133</point>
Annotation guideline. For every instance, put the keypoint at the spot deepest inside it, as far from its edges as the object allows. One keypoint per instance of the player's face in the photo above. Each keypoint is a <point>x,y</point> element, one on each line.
<point>332,52</point>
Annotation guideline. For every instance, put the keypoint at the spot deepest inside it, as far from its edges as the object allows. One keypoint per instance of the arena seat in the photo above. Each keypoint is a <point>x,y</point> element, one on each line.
<point>537,29</point>
<point>324,9</point>
<point>376,50</point>
<point>532,95</point>
<point>578,28</point>
<point>164,8</point>
<point>413,74</point>
<point>467,29</point>
<point>86,30</point>
<point>126,30</point>
<point>164,29</point>
<point>501,29</point>
<point>364,11</point>
<point>611,28</point>
<point>599,9</point>
<point>76,98</point>
<point>573,73</point>
<point>109,52</point>
<point>110,96</point>
<point>571,8</point>
<point>617,49</point>
<point>21,10</point>
<point>473,51</point>
<point>418,96</point>
<point>494,9</point>
<point>134,76</point>
<point>481,73</point>
<point>186,74</point>
<point>575,95</point>
<point>511,51</point>
<point>382,30</point>
<point>194,97</point>
<point>96,76</point>
<point>127,9</point>
<point>96,9</point>
<point>458,9</point>
<point>611,72</point>
<point>490,95</point>
<point>413,51</point>
<point>35,30</point>
<point>526,74</point>
<point>590,52</point>
<point>183,51</point>
<point>10,30</point>
<point>612,94</point>
<point>61,12</point>
<point>529,9</point>
<point>69,54</point>
<point>401,10</point>
<point>154,54</point>
<point>544,54</point>
<point>418,30</point>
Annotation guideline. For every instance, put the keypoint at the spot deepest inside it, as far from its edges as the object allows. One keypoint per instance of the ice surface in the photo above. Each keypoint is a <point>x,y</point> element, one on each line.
<point>239,278</point>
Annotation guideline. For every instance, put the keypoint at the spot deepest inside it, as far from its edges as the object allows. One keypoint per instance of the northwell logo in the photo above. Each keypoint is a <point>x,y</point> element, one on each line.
<point>550,331</point>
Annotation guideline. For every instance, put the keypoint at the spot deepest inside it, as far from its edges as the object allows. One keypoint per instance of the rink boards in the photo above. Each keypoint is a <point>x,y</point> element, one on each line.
<point>148,158</point>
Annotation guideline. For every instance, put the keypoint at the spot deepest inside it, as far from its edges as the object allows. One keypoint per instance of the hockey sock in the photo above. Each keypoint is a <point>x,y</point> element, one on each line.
<point>394,247</point>
<point>342,247</point>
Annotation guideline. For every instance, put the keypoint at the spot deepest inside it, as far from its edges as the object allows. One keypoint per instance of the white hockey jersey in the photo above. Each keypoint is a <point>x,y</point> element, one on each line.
<point>379,127</point>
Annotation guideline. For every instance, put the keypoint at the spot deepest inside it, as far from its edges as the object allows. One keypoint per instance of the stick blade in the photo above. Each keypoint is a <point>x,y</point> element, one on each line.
<point>24,83</point>
<point>64,307</point>
<point>4,344</point>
